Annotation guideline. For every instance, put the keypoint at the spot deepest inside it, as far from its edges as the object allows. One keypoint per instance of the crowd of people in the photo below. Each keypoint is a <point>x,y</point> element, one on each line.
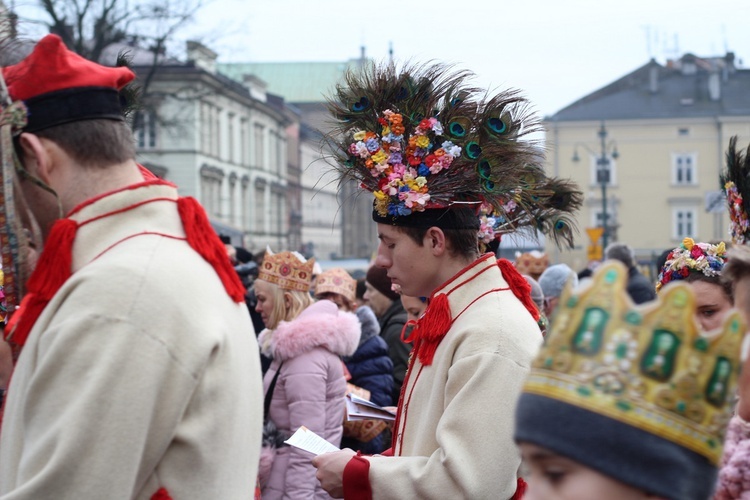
<point>145,358</point>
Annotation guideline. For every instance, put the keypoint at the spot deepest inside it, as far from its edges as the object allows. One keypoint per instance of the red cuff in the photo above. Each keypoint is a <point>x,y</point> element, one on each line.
<point>388,452</point>
<point>356,480</point>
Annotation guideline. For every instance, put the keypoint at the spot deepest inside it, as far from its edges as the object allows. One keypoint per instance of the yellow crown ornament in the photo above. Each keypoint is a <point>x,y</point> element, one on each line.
<point>641,380</point>
<point>288,270</point>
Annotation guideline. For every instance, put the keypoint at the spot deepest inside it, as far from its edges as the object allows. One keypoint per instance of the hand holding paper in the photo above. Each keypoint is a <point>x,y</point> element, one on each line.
<point>307,440</point>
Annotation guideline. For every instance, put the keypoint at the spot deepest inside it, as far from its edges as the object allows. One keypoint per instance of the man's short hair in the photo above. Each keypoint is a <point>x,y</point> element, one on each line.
<point>93,143</point>
<point>738,264</point>
<point>621,252</point>
<point>461,242</point>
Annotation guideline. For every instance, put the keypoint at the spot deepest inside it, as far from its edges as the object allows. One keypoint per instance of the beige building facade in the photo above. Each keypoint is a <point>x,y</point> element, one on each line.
<point>667,131</point>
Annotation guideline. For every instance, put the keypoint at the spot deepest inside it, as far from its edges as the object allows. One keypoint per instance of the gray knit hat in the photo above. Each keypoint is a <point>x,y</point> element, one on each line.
<point>554,278</point>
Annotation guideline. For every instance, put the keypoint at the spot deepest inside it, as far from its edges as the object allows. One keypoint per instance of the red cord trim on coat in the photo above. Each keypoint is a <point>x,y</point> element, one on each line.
<point>126,209</point>
<point>403,410</point>
<point>467,268</point>
<point>153,182</point>
<point>154,233</point>
<point>356,479</point>
<point>161,494</point>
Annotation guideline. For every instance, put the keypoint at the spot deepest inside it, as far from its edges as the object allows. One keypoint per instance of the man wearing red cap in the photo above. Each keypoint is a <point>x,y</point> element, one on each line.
<point>138,374</point>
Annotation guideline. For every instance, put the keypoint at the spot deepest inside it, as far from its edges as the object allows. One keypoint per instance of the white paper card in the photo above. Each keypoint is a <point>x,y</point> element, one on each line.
<point>307,440</point>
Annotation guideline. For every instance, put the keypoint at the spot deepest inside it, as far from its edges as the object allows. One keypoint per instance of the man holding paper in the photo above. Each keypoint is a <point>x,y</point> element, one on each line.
<point>453,434</point>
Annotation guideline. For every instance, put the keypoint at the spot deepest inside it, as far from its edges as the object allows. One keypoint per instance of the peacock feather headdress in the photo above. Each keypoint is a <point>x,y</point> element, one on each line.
<point>425,142</point>
<point>736,183</point>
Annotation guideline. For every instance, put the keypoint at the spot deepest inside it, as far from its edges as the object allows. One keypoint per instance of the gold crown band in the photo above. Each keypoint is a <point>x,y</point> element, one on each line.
<point>646,366</point>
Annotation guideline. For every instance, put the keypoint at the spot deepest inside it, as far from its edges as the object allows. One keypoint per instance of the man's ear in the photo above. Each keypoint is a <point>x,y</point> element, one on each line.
<point>435,239</point>
<point>37,158</point>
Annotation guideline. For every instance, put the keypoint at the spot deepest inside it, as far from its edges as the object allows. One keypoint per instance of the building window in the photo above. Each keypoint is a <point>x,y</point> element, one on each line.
<point>207,127</point>
<point>211,181</point>
<point>258,143</point>
<point>232,198</point>
<point>683,131</point>
<point>146,134</point>
<point>603,171</point>
<point>244,139</point>
<point>260,208</point>
<point>280,153</point>
<point>245,200</point>
<point>684,223</point>
<point>217,133</point>
<point>684,169</point>
<point>230,136</point>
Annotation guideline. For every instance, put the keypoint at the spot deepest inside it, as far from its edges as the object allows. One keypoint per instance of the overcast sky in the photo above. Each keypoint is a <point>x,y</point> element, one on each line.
<point>555,50</point>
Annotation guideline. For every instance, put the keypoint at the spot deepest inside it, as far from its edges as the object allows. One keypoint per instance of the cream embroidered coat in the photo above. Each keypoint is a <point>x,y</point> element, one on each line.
<point>140,374</point>
<point>458,428</point>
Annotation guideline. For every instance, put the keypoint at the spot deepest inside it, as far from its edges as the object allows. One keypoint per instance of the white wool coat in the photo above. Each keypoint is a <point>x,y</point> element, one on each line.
<point>458,415</point>
<point>140,374</point>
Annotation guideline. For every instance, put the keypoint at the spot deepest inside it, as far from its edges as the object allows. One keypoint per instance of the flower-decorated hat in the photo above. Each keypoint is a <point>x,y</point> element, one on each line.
<point>336,280</point>
<point>432,150</point>
<point>634,392</point>
<point>288,270</point>
<point>690,257</point>
<point>736,182</point>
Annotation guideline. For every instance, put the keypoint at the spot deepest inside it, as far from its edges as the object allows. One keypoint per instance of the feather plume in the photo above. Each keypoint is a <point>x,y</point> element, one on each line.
<point>422,137</point>
<point>735,180</point>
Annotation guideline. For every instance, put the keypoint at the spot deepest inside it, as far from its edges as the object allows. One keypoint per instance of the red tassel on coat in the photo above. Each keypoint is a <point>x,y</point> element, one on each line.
<point>161,494</point>
<point>519,286</point>
<point>52,271</point>
<point>203,239</point>
<point>520,489</point>
<point>431,328</point>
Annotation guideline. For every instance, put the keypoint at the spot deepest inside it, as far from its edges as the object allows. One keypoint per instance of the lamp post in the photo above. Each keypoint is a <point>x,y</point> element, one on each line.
<point>602,173</point>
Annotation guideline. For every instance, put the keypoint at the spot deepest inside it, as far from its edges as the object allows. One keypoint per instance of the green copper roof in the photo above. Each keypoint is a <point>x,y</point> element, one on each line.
<point>295,82</point>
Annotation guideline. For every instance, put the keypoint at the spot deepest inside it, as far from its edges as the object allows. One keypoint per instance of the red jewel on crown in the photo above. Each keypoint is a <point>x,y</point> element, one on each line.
<point>285,270</point>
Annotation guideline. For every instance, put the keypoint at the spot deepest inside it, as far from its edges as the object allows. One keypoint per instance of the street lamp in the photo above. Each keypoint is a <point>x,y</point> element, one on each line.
<point>602,173</point>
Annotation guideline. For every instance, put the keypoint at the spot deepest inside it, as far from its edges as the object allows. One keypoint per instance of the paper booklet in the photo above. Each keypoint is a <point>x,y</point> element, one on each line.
<point>361,409</point>
<point>307,440</point>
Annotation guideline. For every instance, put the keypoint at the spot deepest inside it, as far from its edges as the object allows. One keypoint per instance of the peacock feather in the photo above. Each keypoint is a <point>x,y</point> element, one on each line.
<point>735,181</point>
<point>422,137</point>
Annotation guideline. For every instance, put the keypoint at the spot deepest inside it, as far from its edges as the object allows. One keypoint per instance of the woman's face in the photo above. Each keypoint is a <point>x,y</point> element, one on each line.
<point>712,304</point>
<point>264,292</point>
<point>414,307</point>
<point>555,477</point>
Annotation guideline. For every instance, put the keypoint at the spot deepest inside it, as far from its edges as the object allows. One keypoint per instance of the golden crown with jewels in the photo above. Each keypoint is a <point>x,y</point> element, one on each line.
<point>647,366</point>
<point>288,270</point>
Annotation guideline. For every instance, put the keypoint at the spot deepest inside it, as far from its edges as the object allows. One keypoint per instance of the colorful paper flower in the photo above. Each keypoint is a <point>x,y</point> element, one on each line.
<point>690,256</point>
<point>403,167</point>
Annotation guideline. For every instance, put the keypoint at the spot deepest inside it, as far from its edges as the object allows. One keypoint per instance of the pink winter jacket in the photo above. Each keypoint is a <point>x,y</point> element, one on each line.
<point>734,475</point>
<point>309,391</point>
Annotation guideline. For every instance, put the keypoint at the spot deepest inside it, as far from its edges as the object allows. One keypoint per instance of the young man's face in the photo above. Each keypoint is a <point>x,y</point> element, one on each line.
<point>409,265</point>
<point>554,477</point>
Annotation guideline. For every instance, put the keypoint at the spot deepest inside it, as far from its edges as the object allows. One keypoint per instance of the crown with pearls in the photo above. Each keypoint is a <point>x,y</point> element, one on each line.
<point>647,366</point>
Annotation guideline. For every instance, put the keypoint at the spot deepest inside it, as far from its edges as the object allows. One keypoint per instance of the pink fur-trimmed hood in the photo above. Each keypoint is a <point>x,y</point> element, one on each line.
<point>320,325</point>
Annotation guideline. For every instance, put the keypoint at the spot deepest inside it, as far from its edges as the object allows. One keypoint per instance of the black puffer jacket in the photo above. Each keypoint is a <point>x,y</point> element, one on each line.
<point>370,368</point>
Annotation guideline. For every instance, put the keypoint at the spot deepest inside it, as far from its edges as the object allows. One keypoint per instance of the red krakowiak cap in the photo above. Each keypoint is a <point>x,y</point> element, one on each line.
<point>52,67</point>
